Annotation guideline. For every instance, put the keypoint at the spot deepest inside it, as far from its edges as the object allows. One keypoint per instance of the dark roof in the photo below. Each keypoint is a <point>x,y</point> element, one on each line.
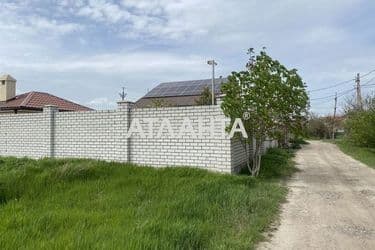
<point>183,93</point>
<point>37,100</point>
<point>184,88</point>
<point>173,101</point>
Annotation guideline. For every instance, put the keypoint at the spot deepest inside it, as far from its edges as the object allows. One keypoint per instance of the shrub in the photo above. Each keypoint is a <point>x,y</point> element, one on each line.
<point>359,127</point>
<point>318,127</point>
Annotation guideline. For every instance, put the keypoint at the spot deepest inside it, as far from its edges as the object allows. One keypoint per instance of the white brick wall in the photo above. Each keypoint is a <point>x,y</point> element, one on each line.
<point>209,153</point>
<point>92,135</point>
<point>24,135</point>
<point>102,135</point>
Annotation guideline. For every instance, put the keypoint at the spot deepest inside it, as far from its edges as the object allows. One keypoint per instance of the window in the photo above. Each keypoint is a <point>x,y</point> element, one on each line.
<point>3,82</point>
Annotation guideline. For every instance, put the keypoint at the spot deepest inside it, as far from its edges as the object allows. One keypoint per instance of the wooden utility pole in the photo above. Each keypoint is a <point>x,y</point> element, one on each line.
<point>359,95</point>
<point>334,118</point>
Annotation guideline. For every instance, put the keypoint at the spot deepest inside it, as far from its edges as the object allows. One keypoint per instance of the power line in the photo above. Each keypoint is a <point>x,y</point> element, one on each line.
<point>332,86</point>
<point>322,102</point>
<point>366,83</point>
<point>316,105</point>
<point>357,88</point>
<point>330,96</point>
<point>372,71</point>
<point>346,92</point>
<point>341,83</point>
<point>321,98</point>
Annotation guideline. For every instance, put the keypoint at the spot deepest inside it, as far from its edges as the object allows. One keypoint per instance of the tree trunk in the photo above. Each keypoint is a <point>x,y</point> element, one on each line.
<point>257,156</point>
<point>248,161</point>
<point>286,139</point>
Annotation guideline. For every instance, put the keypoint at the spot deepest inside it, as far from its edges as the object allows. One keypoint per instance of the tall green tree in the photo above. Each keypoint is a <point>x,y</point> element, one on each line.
<point>205,97</point>
<point>269,98</point>
<point>292,106</point>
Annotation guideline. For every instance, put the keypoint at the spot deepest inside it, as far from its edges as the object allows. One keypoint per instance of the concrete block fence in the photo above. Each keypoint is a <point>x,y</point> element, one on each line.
<point>103,135</point>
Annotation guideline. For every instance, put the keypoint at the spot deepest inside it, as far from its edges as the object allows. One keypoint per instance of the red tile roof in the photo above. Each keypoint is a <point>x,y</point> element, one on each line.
<point>37,100</point>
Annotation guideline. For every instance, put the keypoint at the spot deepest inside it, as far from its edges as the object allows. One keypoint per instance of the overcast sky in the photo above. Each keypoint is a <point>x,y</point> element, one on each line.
<point>86,50</point>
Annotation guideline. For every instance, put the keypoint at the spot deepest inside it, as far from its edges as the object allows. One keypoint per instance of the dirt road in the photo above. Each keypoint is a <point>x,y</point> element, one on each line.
<point>331,203</point>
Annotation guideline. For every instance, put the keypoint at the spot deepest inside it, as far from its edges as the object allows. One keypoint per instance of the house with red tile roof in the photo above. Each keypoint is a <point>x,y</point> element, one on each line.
<point>31,101</point>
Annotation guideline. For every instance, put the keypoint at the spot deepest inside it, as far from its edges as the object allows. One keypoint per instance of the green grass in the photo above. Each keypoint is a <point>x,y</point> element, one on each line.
<point>86,204</point>
<point>362,154</point>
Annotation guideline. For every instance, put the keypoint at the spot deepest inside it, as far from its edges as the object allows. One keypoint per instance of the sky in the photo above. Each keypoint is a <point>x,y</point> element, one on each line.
<point>86,50</point>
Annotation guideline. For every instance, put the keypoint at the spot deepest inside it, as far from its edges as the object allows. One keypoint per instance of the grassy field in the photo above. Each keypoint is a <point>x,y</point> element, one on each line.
<point>365,155</point>
<point>84,204</point>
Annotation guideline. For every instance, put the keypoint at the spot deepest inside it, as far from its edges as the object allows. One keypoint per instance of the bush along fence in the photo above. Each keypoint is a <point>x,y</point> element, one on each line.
<point>168,136</point>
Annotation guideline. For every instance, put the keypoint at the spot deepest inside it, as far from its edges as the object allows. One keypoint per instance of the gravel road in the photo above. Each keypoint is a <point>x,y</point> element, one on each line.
<point>331,203</point>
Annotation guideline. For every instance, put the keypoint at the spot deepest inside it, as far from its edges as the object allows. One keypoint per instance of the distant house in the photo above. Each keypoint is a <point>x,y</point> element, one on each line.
<point>31,101</point>
<point>177,94</point>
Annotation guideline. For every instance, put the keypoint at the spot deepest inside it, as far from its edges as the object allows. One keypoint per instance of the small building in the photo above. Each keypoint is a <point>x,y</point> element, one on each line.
<point>177,94</point>
<point>31,101</point>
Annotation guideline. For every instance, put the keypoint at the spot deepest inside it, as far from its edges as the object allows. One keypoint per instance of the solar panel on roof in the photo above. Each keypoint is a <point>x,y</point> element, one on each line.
<point>185,88</point>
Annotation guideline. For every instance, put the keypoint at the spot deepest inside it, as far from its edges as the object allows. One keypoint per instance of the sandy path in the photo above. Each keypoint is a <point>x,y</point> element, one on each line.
<point>331,203</point>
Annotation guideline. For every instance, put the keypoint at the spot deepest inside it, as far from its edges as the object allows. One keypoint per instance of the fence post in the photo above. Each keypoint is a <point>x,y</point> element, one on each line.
<point>125,110</point>
<point>49,111</point>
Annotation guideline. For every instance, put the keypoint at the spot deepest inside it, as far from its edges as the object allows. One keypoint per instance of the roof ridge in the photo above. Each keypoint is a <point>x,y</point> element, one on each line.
<point>27,99</point>
<point>205,79</point>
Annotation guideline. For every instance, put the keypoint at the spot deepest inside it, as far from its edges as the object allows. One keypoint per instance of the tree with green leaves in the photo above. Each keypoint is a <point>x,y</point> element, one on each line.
<point>292,106</point>
<point>160,103</point>
<point>359,124</point>
<point>205,97</point>
<point>318,127</point>
<point>269,96</point>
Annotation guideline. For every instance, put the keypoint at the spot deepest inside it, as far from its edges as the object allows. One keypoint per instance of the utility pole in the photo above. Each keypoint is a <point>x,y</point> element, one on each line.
<point>359,95</point>
<point>334,118</point>
<point>213,63</point>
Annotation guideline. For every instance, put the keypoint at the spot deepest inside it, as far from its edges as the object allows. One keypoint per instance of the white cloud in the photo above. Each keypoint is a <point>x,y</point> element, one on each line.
<point>126,63</point>
<point>219,20</point>
<point>162,19</point>
<point>102,103</point>
<point>43,25</point>
<point>101,10</point>
<point>27,36</point>
<point>13,19</point>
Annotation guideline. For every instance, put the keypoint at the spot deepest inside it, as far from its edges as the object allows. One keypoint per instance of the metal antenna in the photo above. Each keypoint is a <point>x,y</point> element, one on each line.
<point>123,94</point>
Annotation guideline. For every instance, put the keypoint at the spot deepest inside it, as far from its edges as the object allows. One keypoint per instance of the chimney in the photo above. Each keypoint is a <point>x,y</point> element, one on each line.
<point>7,88</point>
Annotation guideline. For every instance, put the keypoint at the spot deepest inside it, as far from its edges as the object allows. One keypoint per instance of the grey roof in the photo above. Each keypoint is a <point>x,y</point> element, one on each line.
<point>184,88</point>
